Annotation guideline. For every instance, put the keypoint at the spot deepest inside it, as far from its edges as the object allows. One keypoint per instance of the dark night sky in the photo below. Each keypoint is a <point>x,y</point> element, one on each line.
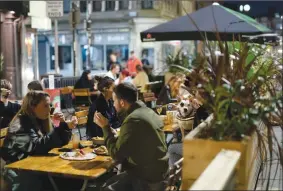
<point>258,8</point>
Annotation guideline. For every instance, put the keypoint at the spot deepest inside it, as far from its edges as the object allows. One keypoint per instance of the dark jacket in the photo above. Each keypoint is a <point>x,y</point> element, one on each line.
<point>25,137</point>
<point>84,84</point>
<point>141,145</point>
<point>164,96</point>
<point>107,110</point>
<point>8,112</point>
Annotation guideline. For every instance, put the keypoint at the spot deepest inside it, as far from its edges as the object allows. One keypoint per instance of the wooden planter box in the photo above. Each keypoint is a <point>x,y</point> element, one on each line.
<point>198,154</point>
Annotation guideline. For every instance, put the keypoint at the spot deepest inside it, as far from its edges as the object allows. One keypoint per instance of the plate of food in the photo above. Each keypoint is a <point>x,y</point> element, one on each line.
<point>77,155</point>
<point>102,150</point>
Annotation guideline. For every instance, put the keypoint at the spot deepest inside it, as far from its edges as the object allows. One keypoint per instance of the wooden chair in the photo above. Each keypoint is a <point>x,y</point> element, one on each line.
<point>3,133</point>
<point>82,98</point>
<point>82,120</point>
<point>174,178</point>
<point>66,97</point>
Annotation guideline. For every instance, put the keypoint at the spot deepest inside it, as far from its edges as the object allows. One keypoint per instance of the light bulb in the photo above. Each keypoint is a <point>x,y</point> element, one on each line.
<point>247,8</point>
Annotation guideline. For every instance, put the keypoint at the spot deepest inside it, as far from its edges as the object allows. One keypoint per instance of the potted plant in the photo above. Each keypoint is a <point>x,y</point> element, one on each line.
<point>240,88</point>
<point>175,64</point>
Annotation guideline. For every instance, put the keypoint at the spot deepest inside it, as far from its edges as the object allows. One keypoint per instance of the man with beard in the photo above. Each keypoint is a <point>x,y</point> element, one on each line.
<point>140,147</point>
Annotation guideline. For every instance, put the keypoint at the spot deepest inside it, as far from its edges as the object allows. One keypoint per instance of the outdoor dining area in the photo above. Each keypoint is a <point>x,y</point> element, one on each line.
<point>209,126</point>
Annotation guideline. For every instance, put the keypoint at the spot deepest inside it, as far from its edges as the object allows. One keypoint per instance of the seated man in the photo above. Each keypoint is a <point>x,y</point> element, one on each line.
<point>140,147</point>
<point>7,109</point>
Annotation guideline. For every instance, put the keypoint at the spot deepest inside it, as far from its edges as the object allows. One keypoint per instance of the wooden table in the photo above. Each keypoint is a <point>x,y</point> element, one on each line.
<point>53,165</point>
<point>169,128</point>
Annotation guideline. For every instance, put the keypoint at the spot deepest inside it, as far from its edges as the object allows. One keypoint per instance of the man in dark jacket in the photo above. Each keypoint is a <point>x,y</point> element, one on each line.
<point>140,147</point>
<point>7,109</point>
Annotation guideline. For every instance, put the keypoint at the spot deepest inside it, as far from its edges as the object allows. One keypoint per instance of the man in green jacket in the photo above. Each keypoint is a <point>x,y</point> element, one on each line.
<point>140,147</point>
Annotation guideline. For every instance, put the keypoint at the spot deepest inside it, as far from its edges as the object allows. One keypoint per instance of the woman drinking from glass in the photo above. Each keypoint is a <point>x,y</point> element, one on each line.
<point>31,133</point>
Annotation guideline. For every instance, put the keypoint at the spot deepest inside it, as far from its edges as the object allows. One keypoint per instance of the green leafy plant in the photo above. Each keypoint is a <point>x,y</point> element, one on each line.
<point>179,59</point>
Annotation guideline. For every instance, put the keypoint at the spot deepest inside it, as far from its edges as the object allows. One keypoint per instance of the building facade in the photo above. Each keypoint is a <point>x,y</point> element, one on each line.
<point>115,28</point>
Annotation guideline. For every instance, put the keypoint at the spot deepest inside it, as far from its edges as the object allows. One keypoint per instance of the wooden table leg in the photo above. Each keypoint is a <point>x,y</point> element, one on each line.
<point>84,185</point>
<point>53,183</point>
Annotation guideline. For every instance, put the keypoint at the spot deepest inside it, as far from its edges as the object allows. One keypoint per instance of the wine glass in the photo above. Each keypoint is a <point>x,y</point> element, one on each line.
<point>159,109</point>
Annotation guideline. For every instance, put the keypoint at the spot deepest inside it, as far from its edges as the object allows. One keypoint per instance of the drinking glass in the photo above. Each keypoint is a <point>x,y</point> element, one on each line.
<point>170,116</point>
<point>76,140</point>
<point>159,109</point>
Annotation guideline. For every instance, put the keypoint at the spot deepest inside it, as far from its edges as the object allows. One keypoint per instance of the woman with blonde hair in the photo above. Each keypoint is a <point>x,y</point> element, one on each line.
<point>170,92</point>
<point>31,133</point>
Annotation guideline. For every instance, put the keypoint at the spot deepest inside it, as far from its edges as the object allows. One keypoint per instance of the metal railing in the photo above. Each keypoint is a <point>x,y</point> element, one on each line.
<point>60,82</point>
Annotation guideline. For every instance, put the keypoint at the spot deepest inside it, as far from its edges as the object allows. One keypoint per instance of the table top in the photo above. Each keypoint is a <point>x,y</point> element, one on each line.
<point>54,165</point>
<point>168,128</point>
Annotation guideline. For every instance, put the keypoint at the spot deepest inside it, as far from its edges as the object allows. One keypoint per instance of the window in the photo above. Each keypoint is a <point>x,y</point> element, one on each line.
<point>96,6</point>
<point>83,6</point>
<point>147,56</point>
<point>124,5</point>
<point>121,51</point>
<point>279,26</point>
<point>64,57</point>
<point>96,57</point>
<point>110,5</point>
<point>147,4</point>
<point>66,6</point>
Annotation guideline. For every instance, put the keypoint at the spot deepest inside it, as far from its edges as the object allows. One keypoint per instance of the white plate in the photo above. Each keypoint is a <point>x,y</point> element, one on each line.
<point>71,156</point>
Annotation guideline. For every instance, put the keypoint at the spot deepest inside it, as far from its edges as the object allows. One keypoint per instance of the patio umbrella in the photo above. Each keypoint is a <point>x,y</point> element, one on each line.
<point>209,20</point>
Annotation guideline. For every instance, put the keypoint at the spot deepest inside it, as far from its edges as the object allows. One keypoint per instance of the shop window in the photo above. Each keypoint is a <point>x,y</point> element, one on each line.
<point>96,57</point>
<point>110,5</point>
<point>64,56</point>
<point>67,6</point>
<point>147,4</point>
<point>83,6</point>
<point>96,6</point>
<point>124,5</point>
<point>121,51</point>
<point>147,56</point>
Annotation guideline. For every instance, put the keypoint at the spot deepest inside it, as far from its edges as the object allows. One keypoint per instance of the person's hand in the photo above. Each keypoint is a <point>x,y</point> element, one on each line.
<point>73,122</point>
<point>100,120</point>
<point>59,116</point>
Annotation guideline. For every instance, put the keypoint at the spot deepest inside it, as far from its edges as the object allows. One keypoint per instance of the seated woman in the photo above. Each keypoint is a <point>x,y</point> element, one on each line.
<point>170,91</point>
<point>175,150</point>
<point>7,109</point>
<point>104,105</point>
<point>31,133</point>
<point>86,82</point>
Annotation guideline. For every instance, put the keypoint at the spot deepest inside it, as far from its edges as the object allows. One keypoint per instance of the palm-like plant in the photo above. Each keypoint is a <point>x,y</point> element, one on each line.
<point>241,88</point>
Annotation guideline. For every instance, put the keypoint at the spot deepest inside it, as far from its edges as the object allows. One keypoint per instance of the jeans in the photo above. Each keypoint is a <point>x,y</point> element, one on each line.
<point>175,153</point>
<point>127,182</point>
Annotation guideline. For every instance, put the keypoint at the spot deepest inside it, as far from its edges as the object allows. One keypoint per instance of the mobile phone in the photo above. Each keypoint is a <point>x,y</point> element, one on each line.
<point>52,110</point>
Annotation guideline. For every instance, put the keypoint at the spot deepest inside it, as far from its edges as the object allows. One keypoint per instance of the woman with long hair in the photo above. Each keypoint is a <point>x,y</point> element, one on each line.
<point>104,105</point>
<point>170,92</point>
<point>32,133</point>
<point>85,81</point>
